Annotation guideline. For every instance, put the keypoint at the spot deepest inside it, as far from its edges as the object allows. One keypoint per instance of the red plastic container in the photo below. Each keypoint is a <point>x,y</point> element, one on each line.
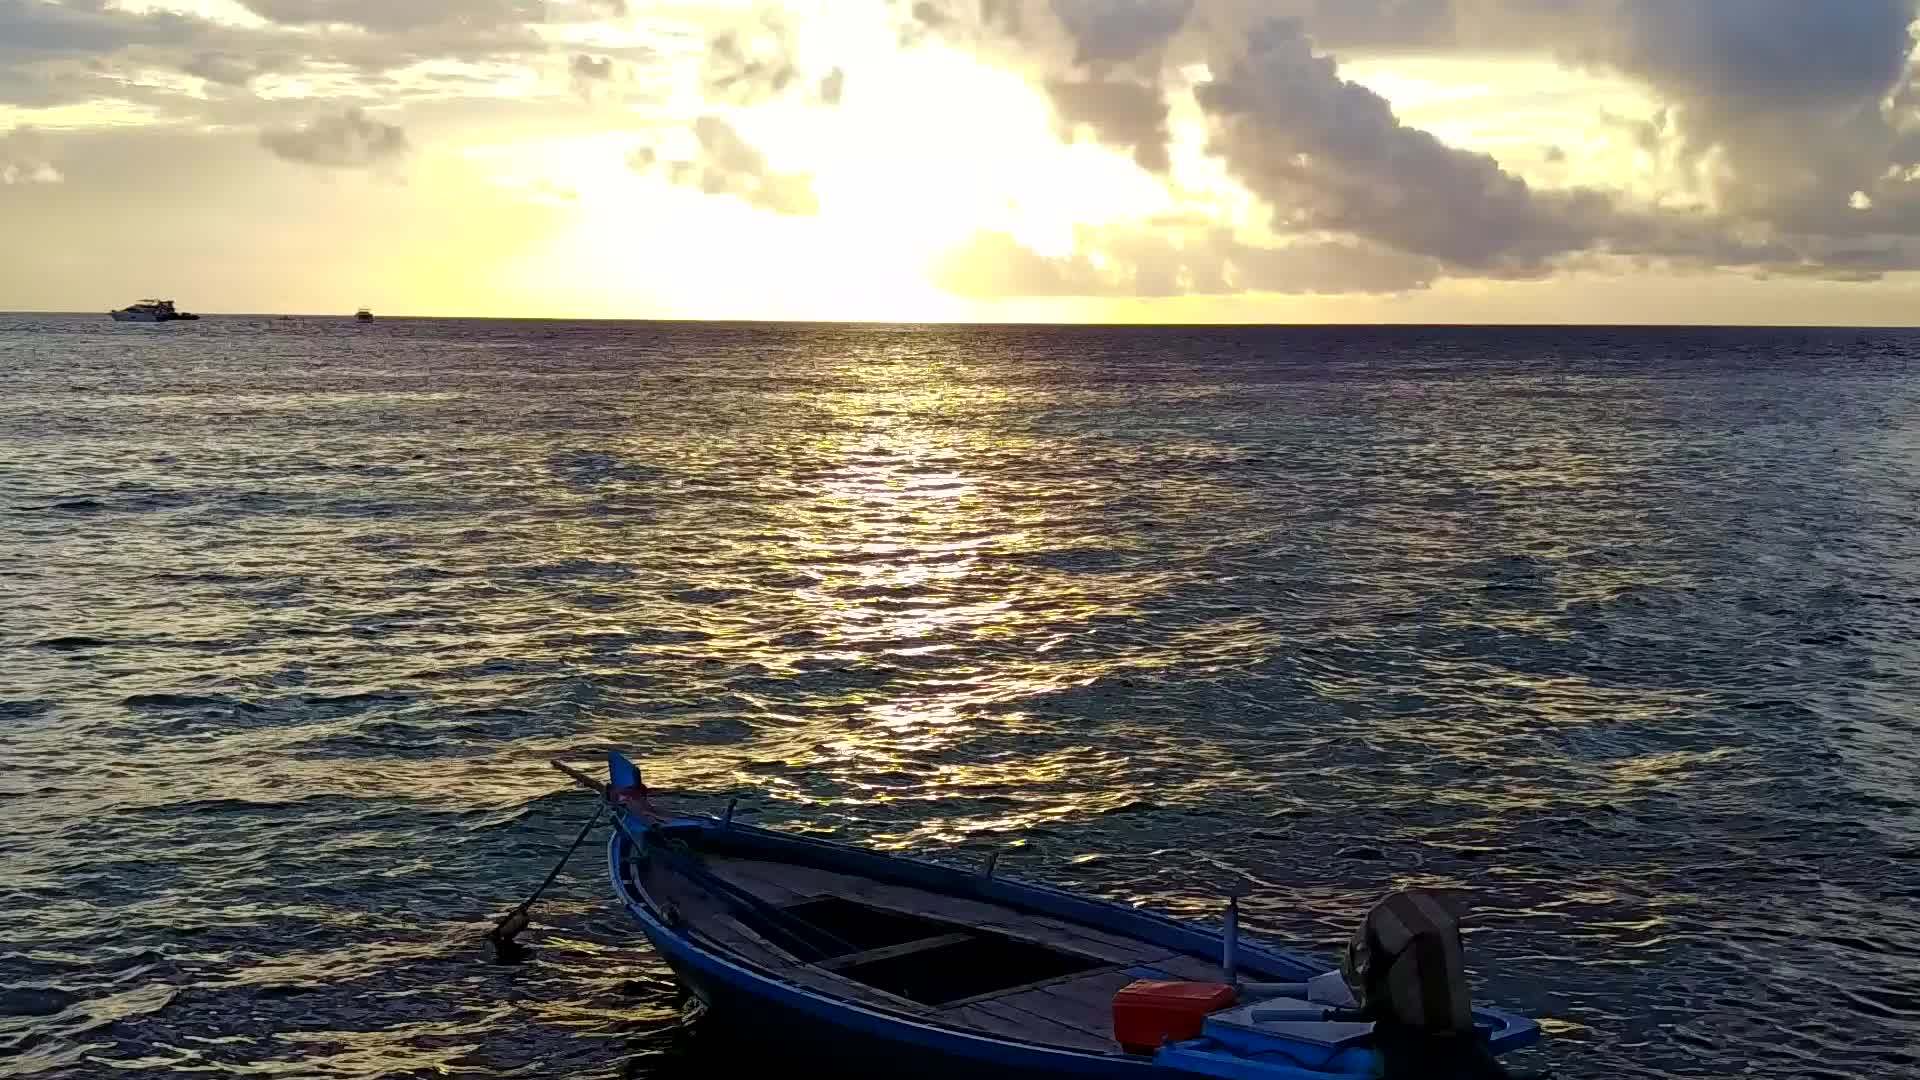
<point>1147,1013</point>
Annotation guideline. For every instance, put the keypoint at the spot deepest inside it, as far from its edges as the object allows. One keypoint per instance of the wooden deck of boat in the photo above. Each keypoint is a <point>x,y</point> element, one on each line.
<point>1073,1011</point>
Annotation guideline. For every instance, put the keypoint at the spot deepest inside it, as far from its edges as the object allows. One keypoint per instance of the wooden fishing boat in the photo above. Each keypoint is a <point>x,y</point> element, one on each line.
<point>944,971</point>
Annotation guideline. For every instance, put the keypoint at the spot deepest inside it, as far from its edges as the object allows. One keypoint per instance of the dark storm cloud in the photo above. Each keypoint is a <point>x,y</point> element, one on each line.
<point>729,165</point>
<point>350,140</point>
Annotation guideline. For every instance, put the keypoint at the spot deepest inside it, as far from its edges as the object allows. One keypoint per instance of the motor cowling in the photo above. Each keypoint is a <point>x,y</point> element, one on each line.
<point>1408,969</point>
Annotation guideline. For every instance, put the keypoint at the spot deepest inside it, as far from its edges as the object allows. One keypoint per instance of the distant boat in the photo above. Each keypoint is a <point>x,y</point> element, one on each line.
<point>152,311</point>
<point>363,315</point>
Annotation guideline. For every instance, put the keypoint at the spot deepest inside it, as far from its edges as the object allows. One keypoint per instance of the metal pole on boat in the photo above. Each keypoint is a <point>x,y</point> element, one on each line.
<point>993,860</point>
<point>731,803</point>
<point>1230,941</point>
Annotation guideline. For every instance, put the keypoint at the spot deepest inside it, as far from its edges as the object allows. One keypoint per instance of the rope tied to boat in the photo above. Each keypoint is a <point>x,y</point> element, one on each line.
<point>515,922</point>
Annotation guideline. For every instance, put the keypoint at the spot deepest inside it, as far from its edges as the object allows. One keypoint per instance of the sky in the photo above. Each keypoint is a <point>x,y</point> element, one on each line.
<point>1582,161</point>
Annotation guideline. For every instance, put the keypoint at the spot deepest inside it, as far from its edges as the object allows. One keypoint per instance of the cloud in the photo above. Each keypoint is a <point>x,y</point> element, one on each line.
<point>350,140</point>
<point>728,165</point>
<point>751,64</point>
<point>26,159</point>
<point>1129,115</point>
<point>1789,129</point>
<point>1119,31</point>
<point>230,69</point>
<point>1144,262</point>
<point>1776,113</point>
<point>591,68</point>
<point>387,16</point>
<point>1757,54</point>
<point>55,54</point>
<point>1783,108</point>
<point>1328,154</point>
<point>30,28</point>
<point>593,76</point>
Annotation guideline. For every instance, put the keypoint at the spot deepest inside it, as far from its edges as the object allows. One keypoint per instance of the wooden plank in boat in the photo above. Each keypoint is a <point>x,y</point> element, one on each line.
<point>1189,967</point>
<point>700,912</point>
<point>708,917</point>
<point>765,879</point>
<point>1008,991</point>
<point>1073,938</point>
<point>891,951</point>
<point>995,1019</point>
<point>1041,929</point>
<point>802,881</point>
<point>1071,1012</point>
<point>839,986</point>
<point>730,933</point>
<point>1085,1003</point>
<point>762,879</point>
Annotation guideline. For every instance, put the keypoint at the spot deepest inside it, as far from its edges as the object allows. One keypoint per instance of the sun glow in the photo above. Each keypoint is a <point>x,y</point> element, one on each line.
<point>965,147</point>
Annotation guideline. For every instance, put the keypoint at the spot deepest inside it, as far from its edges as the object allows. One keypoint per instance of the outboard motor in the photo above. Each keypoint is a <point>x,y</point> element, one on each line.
<point>1407,967</point>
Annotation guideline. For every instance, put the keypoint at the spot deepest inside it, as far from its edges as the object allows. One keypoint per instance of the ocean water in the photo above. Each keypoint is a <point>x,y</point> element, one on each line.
<point>1613,635</point>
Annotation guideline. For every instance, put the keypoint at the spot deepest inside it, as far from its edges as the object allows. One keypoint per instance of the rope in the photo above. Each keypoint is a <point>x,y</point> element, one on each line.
<point>505,949</point>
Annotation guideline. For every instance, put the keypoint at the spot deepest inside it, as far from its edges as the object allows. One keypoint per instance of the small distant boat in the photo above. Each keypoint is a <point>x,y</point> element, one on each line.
<point>363,315</point>
<point>935,970</point>
<point>152,311</point>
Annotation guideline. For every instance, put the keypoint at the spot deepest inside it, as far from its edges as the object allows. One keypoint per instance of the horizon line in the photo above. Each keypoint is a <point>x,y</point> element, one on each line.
<point>1223,324</point>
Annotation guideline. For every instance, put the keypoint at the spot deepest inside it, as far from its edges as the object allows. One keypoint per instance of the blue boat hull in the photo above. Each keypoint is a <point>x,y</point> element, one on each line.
<point>851,1034</point>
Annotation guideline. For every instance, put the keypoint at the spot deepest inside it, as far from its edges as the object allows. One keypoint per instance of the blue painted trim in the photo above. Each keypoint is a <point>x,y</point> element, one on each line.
<point>1196,1059</point>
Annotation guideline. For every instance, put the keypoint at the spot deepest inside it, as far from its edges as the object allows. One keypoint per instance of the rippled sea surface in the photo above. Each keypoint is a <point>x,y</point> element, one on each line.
<point>1613,634</point>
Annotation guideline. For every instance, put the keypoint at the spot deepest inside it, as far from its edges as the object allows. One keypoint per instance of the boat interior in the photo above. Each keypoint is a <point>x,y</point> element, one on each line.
<point>953,961</point>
